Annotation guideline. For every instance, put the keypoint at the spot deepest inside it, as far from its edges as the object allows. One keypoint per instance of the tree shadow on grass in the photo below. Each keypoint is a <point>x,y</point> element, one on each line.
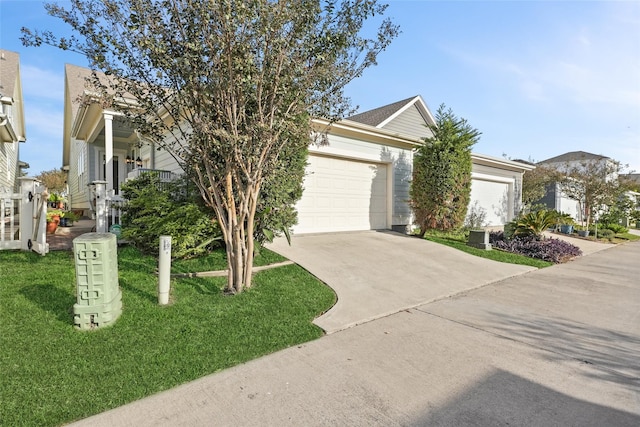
<point>205,285</point>
<point>137,291</point>
<point>53,300</point>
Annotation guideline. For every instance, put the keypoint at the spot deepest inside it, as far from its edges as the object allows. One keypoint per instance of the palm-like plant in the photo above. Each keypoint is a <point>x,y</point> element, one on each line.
<point>533,223</point>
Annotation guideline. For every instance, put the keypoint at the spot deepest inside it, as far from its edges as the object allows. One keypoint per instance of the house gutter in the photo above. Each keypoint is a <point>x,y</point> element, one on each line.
<point>364,132</point>
<point>482,159</point>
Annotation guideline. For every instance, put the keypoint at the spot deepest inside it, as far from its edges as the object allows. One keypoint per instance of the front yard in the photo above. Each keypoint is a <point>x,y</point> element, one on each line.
<point>458,240</point>
<point>53,374</point>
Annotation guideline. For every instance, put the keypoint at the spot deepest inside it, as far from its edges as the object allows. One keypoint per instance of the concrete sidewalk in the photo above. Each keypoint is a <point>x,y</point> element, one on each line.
<point>556,346</point>
<point>586,246</point>
<point>375,274</point>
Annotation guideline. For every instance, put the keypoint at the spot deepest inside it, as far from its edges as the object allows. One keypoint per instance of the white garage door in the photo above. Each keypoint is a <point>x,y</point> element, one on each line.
<point>493,197</point>
<point>342,195</point>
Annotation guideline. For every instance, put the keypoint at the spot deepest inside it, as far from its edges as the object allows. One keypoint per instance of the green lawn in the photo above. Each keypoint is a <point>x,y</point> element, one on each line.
<point>459,241</point>
<point>53,374</point>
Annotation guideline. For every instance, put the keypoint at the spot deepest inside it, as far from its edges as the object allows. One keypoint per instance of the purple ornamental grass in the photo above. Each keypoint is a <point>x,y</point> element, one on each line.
<point>552,250</point>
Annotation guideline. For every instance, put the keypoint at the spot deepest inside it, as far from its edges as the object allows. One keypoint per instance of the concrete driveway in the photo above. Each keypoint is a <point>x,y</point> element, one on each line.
<point>376,274</point>
<point>556,347</point>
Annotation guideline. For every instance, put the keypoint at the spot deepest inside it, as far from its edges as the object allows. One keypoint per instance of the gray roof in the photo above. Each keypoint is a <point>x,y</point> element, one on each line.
<point>9,66</point>
<point>573,156</point>
<point>378,115</point>
<point>77,82</point>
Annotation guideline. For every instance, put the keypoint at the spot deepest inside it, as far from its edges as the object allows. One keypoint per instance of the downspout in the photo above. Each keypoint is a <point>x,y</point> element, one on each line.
<point>152,158</point>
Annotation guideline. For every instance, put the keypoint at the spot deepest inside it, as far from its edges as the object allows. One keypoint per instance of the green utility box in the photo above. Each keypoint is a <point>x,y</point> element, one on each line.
<point>99,299</point>
<point>479,239</point>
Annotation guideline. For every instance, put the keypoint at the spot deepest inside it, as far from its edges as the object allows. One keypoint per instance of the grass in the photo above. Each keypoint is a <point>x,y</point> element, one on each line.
<point>54,374</point>
<point>616,238</point>
<point>459,241</point>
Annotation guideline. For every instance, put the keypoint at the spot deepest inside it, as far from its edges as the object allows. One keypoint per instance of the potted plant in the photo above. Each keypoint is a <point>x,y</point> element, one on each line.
<point>67,218</point>
<point>582,231</point>
<point>53,219</point>
<point>565,223</point>
<point>56,201</point>
<point>53,200</point>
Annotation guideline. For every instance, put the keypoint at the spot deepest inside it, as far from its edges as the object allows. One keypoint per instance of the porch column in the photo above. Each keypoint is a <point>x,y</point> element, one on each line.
<point>108,148</point>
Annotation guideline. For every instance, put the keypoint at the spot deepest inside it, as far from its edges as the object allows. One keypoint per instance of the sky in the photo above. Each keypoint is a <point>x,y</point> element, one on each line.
<point>537,78</point>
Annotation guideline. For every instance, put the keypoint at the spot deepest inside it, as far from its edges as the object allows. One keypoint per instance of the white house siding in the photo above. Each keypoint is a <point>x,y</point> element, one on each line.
<point>409,123</point>
<point>78,176</point>
<point>8,166</point>
<point>161,159</point>
<point>164,161</point>
<point>564,204</point>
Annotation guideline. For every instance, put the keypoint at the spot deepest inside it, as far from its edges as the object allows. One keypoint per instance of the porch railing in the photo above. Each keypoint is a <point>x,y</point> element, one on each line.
<point>164,176</point>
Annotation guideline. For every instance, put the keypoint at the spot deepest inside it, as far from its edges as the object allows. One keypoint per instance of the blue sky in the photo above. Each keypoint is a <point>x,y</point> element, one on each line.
<point>537,78</point>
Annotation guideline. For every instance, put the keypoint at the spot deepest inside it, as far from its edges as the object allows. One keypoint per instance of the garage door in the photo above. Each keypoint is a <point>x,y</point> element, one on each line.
<point>342,195</point>
<point>493,197</point>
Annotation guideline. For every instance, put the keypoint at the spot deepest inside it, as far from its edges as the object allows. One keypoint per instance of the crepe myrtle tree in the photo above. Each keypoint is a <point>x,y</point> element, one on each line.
<point>534,185</point>
<point>595,185</point>
<point>227,87</point>
<point>441,186</point>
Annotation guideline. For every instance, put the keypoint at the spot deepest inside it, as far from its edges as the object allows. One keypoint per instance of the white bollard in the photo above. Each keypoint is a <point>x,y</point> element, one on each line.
<point>164,270</point>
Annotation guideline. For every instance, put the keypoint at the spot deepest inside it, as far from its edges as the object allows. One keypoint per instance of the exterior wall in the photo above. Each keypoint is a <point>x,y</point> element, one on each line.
<point>12,110</point>
<point>410,123</point>
<point>400,161</point>
<point>79,175</point>
<point>9,166</point>
<point>555,199</point>
<point>164,161</point>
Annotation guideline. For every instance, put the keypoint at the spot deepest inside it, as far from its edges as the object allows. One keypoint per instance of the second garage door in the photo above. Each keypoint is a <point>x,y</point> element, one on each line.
<point>493,197</point>
<point>342,195</point>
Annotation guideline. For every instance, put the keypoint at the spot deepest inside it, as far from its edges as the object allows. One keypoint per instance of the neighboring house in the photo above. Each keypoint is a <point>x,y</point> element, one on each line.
<point>359,181</point>
<point>634,178</point>
<point>12,125</point>
<point>554,197</point>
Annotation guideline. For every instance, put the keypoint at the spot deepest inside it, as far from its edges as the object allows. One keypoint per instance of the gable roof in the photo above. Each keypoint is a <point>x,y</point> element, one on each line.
<point>75,79</point>
<point>573,156</point>
<point>9,70</point>
<point>379,117</point>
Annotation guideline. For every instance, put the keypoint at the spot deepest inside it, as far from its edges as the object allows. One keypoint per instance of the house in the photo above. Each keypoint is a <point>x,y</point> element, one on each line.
<point>495,183</point>
<point>554,197</point>
<point>12,125</point>
<point>358,181</point>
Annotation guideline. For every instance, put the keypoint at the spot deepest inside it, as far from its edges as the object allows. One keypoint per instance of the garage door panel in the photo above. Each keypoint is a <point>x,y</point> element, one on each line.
<point>493,198</point>
<point>342,195</point>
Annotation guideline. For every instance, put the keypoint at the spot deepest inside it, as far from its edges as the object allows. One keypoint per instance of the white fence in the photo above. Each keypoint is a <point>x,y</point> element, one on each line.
<point>23,217</point>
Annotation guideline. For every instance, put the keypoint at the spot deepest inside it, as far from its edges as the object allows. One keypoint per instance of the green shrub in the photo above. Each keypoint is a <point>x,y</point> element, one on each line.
<point>616,228</point>
<point>156,208</point>
<point>441,182</point>
<point>562,218</point>
<point>280,191</point>
<point>531,224</point>
<point>605,233</point>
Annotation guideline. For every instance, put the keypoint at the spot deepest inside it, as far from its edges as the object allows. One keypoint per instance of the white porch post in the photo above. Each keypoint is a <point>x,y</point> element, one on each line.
<point>108,148</point>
